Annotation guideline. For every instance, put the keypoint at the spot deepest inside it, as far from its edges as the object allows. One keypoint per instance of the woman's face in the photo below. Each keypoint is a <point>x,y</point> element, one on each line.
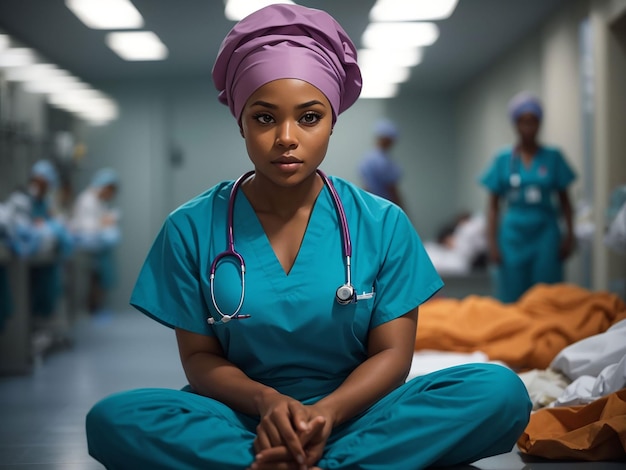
<point>527,126</point>
<point>287,125</point>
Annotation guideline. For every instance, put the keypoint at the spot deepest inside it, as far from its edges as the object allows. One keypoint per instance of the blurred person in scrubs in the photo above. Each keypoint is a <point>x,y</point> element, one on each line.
<point>380,175</point>
<point>35,230</point>
<point>96,230</point>
<point>530,228</point>
<point>299,360</point>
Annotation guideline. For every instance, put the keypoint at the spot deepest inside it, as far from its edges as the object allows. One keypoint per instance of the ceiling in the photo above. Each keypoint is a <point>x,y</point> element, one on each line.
<point>478,32</point>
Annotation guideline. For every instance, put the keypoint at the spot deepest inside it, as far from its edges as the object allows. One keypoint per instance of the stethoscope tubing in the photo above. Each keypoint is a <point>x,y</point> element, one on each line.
<point>231,252</point>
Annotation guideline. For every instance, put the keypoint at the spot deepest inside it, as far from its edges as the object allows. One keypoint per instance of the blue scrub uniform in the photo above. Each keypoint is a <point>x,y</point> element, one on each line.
<point>45,280</point>
<point>378,172</point>
<point>529,233</point>
<point>300,341</point>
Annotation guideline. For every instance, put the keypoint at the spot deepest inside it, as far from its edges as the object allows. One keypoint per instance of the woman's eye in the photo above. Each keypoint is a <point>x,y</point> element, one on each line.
<point>264,118</point>
<point>310,118</point>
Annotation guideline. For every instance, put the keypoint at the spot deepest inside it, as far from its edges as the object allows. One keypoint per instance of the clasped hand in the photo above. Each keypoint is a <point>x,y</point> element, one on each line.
<point>290,435</point>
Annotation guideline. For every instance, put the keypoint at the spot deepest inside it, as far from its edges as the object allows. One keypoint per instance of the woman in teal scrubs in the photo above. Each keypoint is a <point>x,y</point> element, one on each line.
<point>295,379</point>
<point>528,241</point>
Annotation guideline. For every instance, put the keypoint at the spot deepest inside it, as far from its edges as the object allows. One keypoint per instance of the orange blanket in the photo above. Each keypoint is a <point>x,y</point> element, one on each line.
<point>527,334</point>
<point>592,432</point>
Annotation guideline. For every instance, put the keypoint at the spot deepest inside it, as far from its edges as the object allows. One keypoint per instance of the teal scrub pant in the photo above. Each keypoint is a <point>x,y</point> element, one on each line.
<point>524,264</point>
<point>453,416</point>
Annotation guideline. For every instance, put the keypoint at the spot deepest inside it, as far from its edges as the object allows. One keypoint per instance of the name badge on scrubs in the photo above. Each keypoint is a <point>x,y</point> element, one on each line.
<point>532,195</point>
<point>515,180</point>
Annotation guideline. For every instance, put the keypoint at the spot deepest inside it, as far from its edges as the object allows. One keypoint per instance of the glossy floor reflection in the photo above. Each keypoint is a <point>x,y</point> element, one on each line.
<point>42,415</point>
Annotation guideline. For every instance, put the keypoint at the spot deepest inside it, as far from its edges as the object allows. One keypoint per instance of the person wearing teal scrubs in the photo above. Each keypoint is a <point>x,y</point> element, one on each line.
<point>45,279</point>
<point>282,375</point>
<point>533,235</point>
<point>95,227</point>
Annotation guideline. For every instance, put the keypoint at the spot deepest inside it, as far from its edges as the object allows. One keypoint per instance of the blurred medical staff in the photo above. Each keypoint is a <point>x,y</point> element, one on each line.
<point>529,232</point>
<point>96,231</point>
<point>380,175</point>
<point>36,231</point>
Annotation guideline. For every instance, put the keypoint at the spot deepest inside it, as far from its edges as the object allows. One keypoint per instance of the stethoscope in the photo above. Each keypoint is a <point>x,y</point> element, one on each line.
<point>345,293</point>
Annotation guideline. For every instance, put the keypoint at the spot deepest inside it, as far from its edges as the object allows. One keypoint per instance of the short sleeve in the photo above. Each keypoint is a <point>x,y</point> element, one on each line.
<point>564,173</point>
<point>492,178</point>
<point>168,287</point>
<point>407,278</point>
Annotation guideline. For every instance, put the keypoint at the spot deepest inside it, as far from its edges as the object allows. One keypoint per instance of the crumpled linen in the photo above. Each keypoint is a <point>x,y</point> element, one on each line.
<point>592,432</point>
<point>525,335</point>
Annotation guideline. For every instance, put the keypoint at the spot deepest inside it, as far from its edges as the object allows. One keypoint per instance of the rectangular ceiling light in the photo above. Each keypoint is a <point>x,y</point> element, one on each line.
<point>137,45</point>
<point>236,10</point>
<point>378,90</point>
<point>399,35</point>
<point>412,10</point>
<point>403,57</point>
<point>106,14</point>
<point>16,57</point>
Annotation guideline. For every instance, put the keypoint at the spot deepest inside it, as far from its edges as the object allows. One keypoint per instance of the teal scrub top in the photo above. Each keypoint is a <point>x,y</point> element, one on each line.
<point>547,173</point>
<point>298,339</point>
<point>531,217</point>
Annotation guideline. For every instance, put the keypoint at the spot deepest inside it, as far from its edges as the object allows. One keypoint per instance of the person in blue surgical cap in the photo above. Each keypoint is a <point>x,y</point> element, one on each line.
<point>294,297</point>
<point>380,175</point>
<point>35,230</point>
<point>530,230</point>
<point>96,230</point>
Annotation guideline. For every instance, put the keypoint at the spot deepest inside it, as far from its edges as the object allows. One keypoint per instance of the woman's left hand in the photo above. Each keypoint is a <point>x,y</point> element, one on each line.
<point>313,441</point>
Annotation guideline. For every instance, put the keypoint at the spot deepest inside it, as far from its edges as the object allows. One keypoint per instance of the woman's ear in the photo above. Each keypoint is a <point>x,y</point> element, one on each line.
<point>241,132</point>
<point>331,131</point>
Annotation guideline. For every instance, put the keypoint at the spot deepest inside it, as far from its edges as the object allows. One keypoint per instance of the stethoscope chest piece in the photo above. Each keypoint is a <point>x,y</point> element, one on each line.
<point>345,294</point>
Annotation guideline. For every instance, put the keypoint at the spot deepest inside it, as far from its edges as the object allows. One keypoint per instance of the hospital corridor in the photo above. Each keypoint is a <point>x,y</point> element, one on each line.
<point>312,234</point>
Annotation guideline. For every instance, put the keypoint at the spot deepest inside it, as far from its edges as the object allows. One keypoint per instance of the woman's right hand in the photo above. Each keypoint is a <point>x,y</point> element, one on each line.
<point>282,420</point>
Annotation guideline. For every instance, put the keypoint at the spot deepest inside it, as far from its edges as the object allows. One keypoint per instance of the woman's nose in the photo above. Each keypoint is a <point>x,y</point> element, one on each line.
<point>286,135</point>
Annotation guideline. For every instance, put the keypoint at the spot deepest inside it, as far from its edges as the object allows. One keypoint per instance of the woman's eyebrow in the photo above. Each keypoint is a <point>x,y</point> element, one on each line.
<point>264,104</point>
<point>300,106</point>
<point>309,103</point>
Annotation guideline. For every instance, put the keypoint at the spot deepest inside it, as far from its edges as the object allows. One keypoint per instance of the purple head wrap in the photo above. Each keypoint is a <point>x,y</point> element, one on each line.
<point>525,102</point>
<point>287,41</point>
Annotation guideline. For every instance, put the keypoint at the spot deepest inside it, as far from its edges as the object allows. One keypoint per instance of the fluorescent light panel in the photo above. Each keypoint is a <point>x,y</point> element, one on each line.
<point>379,90</point>
<point>408,57</point>
<point>16,57</point>
<point>106,14</point>
<point>399,35</point>
<point>4,42</point>
<point>387,73</point>
<point>412,10</point>
<point>236,10</point>
<point>137,45</point>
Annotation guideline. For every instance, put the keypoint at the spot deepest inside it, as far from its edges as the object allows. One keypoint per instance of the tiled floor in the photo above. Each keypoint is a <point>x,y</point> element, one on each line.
<point>42,415</point>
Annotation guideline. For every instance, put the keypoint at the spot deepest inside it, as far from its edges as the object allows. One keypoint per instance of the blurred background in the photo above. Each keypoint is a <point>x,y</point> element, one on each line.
<point>70,96</point>
<point>129,127</point>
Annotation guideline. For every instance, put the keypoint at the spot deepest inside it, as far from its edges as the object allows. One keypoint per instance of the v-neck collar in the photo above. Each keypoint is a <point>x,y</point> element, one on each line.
<point>248,230</point>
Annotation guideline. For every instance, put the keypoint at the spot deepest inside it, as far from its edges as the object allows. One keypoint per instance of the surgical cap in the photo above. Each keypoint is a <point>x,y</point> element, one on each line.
<point>45,170</point>
<point>287,41</point>
<point>105,177</point>
<point>525,102</point>
<point>386,128</point>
